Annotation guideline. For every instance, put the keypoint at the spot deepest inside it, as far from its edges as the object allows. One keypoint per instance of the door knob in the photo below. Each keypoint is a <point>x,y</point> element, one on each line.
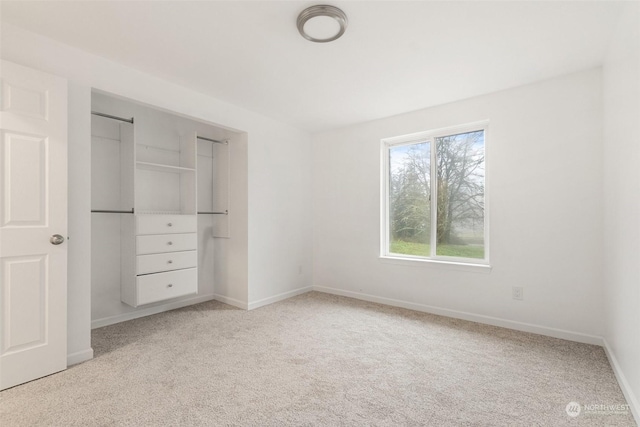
<point>56,239</point>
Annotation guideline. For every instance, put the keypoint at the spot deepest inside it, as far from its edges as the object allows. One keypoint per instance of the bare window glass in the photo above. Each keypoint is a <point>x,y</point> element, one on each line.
<point>460,201</point>
<point>409,194</point>
<point>439,211</point>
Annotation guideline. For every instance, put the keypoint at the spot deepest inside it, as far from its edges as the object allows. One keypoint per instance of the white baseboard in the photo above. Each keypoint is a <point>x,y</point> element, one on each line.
<point>112,320</point>
<point>79,357</point>
<point>279,297</point>
<point>231,301</point>
<point>632,400</point>
<point>478,318</point>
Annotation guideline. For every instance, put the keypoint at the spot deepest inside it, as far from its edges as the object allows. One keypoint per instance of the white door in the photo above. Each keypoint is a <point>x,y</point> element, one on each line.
<point>33,213</point>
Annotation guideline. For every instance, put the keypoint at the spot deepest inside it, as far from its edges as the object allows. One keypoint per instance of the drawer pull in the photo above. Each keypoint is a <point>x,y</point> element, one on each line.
<point>170,225</point>
<point>170,262</point>
<point>170,243</point>
<point>170,285</point>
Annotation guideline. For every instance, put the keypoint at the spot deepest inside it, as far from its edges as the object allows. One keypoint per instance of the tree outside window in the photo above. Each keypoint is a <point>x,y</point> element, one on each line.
<point>437,212</point>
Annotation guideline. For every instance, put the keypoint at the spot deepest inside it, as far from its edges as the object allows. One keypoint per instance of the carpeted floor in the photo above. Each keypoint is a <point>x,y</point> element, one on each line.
<point>319,359</point>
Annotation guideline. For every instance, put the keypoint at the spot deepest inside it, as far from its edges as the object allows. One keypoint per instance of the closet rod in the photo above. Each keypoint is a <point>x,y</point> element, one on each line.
<point>109,116</point>
<point>214,213</point>
<point>212,140</point>
<point>108,211</point>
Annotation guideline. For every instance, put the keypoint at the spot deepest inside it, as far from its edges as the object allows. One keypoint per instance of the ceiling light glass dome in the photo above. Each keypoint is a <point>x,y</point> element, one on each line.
<point>322,23</point>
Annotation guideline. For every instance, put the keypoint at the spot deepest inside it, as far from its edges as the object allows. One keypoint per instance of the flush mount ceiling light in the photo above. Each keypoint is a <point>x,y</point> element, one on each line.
<point>322,23</point>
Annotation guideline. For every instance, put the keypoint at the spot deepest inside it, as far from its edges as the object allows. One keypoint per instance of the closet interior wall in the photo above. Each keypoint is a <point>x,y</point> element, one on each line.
<point>157,140</point>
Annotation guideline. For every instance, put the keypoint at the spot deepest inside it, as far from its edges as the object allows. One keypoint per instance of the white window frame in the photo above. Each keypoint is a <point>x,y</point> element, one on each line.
<point>430,136</point>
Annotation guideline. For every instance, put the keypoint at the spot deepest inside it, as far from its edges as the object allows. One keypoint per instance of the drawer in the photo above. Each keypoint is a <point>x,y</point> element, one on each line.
<point>164,224</point>
<point>160,243</point>
<point>165,262</point>
<point>162,286</point>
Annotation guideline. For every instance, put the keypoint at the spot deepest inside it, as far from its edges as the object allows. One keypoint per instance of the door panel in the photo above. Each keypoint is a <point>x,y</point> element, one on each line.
<point>33,197</point>
<point>24,299</point>
<point>25,101</point>
<point>25,192</point>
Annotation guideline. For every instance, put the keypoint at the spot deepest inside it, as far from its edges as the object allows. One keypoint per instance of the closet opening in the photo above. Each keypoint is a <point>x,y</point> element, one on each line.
<point>160,208</point>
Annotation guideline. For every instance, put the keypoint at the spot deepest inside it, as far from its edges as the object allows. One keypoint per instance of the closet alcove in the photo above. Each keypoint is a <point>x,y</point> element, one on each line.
<point>159,208</point>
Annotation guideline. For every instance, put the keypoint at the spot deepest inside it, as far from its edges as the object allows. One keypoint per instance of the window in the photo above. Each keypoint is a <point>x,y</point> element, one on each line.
<point>434,195</point>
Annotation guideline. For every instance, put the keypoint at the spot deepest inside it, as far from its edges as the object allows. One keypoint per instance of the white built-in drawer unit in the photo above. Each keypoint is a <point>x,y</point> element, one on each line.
<point>156,263</point>
<point>165,224</point>
<point>166,259</point>
<point>160,243</point>
<point>162,286</point>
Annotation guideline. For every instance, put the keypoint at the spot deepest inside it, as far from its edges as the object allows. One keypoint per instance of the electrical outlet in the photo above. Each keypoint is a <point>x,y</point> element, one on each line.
<point>517,292</point>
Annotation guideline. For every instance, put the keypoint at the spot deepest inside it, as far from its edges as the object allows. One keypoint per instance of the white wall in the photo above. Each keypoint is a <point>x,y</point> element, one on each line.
<point>621,289</point>
<point>544,185</point>
<point>276,155</point>
<point>280,219</point>
<point>79,275</point>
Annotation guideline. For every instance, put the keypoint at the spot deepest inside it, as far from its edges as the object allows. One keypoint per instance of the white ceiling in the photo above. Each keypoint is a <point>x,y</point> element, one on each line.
<point>395,56</point>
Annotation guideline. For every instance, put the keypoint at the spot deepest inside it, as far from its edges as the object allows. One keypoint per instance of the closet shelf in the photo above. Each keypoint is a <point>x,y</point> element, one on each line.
<point>150,212</point>
<point>157,167</point>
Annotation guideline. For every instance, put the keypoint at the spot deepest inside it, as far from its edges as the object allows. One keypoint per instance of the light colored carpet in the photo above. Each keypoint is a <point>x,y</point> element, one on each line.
<point>318,359</point>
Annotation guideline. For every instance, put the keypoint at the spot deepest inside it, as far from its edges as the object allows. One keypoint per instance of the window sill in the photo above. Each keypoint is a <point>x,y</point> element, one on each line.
<point>433,263</point>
